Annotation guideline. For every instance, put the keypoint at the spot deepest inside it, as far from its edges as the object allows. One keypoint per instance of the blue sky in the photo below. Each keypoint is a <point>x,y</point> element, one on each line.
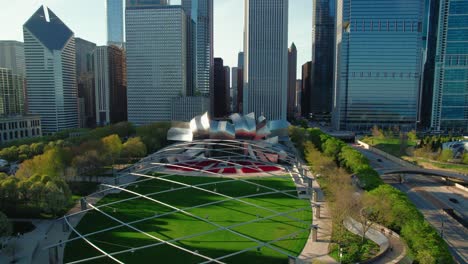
<point>87,19</point>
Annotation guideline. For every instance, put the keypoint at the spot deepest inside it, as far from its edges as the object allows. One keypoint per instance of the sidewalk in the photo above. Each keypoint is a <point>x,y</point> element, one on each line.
<point>318,250</point>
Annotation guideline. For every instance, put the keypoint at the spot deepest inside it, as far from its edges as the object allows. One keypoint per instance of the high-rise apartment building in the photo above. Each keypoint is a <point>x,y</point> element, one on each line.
<point>85,81</point>
<point>297,107</point>
<point>111,86</point>
<point>156,46</point>
<point>266,58</point>
<point>450,96</point>
<point>378,64</point>
<point>49,47</point>
<point>115,22</point>
<point>292,76</point>
<point>200,12</point>
<point>323,53</point>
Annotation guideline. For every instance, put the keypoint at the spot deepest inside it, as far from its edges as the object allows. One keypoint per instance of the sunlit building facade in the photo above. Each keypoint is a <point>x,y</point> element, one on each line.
<point>115,22</point>
<point>156,46</point>
<point>378,64</point>
<point>49,47</point>
<point>450,96</point>
<point>266,58</point>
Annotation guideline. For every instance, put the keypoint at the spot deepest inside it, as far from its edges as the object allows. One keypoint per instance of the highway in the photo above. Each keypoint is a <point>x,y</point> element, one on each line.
<point>430,195</point>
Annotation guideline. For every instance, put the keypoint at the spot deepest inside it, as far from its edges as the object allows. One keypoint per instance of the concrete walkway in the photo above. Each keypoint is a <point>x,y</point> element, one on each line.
<point>316,250</point>
<point>392,249</point>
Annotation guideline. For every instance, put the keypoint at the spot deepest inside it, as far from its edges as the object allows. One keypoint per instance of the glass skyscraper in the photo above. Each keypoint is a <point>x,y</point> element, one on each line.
<point>323,52</point>
<point>378,64</point>
<point>115,22</point>
<point>450,97</point>
<point>200,13</point>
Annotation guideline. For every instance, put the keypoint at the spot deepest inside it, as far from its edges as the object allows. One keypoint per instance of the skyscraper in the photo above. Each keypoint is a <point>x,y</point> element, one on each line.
<point>115,22</point>
<point>292,76</point>
<point>201,13</point>
<point>49,47</point>
<point>12,56</point>
<point>450,98</point>
<point>13,68</point>
<point>11,93</point>
<point>220,89</point>
<point>266,58</point>
<point>430,30</point>
<point>85,81</point>
<point>227,72</point>
<point>156,61</point>
<point>378,64</point>
<point>306,89</point>
<point>111,87</point>
<point>323,28</point>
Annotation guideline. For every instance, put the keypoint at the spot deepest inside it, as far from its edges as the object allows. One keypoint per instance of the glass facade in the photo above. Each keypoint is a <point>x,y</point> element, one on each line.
<point>323,25</point>
<point>450,101</point>
<point>378,64</point>
<point>115,22</point>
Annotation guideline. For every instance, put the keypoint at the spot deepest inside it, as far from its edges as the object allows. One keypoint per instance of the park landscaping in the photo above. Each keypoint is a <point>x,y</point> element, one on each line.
<point>335,162</point>
<point>215,244</point>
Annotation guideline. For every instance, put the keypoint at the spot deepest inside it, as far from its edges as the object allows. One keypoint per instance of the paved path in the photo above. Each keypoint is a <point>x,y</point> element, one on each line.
<point>316,250</point>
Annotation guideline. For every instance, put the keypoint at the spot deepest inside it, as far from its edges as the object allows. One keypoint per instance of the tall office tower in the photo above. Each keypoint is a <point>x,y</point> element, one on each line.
<point>239,76</point>
<point>12,56</point>
<point>49,47</point>
<point>292,77</point>
<point>306,89</point>
<point>11,93</point>
<point>323,52</point>
<point>297,107</point>
<point>156,61</point>
<point>430,28</point>
<point>378,67</point>
<point>115,22</point>
<point>201,15</point>
<point>12,59</point>
<point>220,89</point>
<point>85,81</point>
<point>266,58</point>
<point>111,87</point>
<point>450,103</point>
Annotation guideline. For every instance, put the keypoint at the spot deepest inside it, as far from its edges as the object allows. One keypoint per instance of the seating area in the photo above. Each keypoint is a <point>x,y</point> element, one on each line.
<point>231,167</point>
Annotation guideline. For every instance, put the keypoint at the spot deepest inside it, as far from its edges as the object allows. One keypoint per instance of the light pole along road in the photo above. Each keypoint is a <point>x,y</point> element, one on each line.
<point>431,195</point>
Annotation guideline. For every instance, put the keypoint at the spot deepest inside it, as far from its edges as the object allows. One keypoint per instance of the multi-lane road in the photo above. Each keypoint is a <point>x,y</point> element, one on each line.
<point>431,195</point>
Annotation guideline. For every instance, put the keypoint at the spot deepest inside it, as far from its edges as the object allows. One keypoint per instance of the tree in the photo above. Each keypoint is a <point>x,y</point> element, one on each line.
<point>134,148</point>
<point>465,158</point>
<point>51,163</point>
<point>6,228</point>
<point>87,162</point>
<point>446,155</point>
<point>24,187</point>
<point>37,192</point>
<point>377,132</point>
<point>37,148</point>
<point>54,199</point>
<point>112,147</point>
<point>10,190</point>
<point>412,136</point>
<point>154,135</point>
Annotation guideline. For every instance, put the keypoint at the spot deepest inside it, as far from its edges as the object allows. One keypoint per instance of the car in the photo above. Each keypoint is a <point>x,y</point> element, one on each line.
<point>379,160</point>
<point>453,200</point>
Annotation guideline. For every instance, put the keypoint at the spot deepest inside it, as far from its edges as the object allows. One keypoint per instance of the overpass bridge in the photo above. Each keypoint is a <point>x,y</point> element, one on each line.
<point>457,177</point>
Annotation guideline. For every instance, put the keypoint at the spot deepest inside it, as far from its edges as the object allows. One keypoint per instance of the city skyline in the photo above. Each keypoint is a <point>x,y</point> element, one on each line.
<point>228,23</point>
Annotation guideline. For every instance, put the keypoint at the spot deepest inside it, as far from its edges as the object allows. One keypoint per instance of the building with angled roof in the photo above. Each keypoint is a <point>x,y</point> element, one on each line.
<point>49,47</point>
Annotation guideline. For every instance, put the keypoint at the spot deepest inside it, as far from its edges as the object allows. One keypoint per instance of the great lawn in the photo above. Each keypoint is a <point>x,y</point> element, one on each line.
<point>215,244</point>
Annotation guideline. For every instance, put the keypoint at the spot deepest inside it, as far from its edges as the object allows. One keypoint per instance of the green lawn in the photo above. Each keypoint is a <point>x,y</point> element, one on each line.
<point>389,145</point>
<point>216,244</point>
